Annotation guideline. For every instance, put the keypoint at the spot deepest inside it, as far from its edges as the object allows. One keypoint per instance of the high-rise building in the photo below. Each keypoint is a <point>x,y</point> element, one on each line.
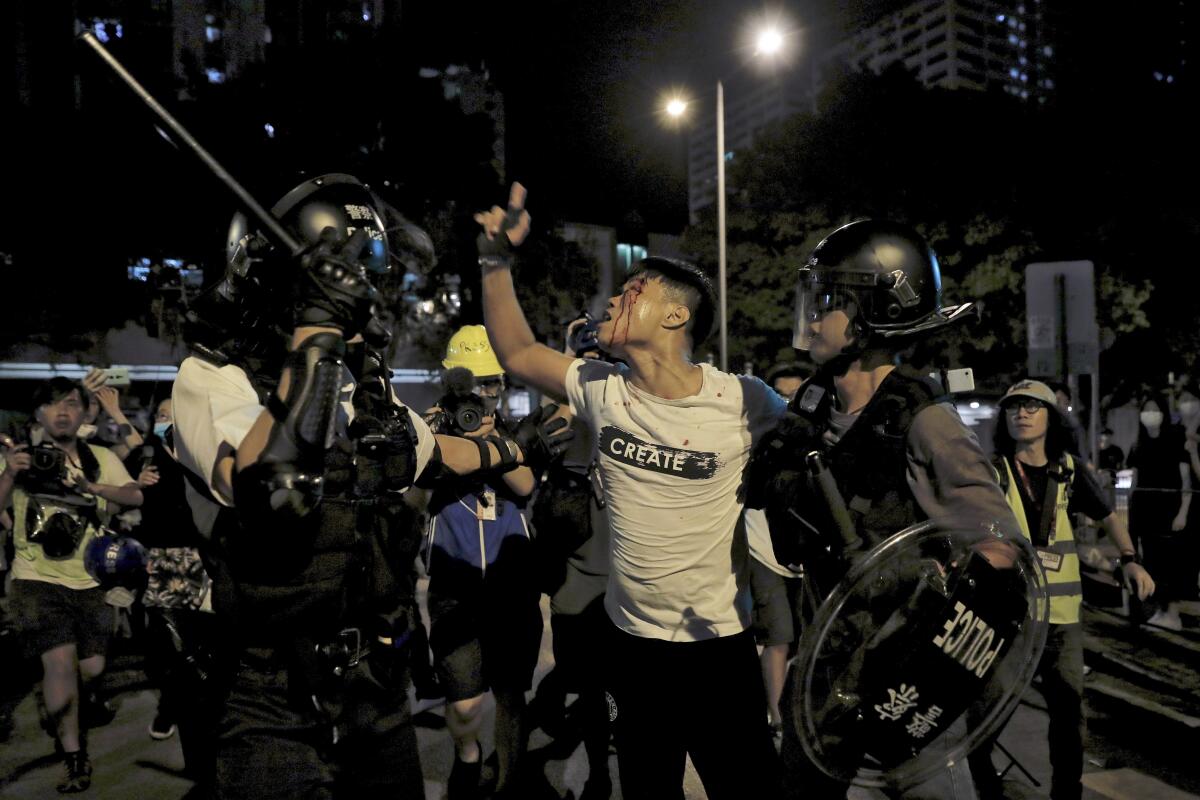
<point>750,106</point>
<point>960,44</point>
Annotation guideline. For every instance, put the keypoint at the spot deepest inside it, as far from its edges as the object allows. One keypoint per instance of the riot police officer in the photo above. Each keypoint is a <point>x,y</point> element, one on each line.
<point>896,454</point>
<point>300,454</point>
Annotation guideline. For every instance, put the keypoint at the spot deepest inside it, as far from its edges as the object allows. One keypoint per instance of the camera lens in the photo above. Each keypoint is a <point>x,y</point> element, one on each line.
<point>43,460</point>
<point>468,419</point>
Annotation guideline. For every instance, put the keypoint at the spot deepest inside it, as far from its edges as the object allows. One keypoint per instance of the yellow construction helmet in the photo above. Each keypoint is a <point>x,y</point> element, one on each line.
<point>470,347</point>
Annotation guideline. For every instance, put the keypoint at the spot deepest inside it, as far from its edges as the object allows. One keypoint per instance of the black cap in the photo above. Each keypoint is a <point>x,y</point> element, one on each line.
<point>693,276</point>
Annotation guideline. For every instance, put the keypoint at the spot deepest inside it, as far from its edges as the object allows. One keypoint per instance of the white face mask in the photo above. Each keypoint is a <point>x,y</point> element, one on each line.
<point>1152,419</point>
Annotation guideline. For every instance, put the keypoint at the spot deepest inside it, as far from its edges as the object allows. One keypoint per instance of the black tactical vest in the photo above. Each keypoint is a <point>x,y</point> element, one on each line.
<point>870,461</point>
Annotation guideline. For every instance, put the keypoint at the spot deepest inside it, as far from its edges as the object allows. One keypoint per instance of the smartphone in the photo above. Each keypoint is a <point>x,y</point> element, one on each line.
<point>116,377</point>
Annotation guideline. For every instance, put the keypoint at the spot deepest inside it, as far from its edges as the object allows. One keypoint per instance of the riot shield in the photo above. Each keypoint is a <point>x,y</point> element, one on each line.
<point>929,627</point>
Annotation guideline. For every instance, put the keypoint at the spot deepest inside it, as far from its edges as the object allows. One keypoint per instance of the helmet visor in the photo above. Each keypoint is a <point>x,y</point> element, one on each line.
<point>816,296</point>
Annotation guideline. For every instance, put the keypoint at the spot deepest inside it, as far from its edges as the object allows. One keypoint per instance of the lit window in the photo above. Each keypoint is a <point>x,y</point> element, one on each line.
<point>99,30</point>
<point>1158,76</point>
<point>120,31</point>
<point>999,18</point>
<point>214,75</point>
<point>729,156</point>
<point>212,33</point>
<point>270,129</point>
<point>1023,61</point>
<point>1048,50</point>
<point>1012,38</point>
<point>1014,72</point>
<point>1170,79</point>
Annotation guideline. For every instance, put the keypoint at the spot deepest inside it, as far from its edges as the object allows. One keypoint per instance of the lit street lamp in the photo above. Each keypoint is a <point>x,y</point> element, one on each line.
<point>769,42</point>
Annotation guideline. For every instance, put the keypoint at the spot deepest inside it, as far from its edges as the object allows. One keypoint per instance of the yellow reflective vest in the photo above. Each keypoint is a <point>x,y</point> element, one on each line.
<point>1059,557</point>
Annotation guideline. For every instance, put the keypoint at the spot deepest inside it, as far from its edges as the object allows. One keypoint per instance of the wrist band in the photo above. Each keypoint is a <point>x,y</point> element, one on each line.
<point>124,430</point>
<point>1130,558</point>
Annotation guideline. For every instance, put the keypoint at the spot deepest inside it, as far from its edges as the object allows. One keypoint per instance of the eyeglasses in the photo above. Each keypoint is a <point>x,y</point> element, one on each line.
<point>489,386</point>
<point>1028,405</point>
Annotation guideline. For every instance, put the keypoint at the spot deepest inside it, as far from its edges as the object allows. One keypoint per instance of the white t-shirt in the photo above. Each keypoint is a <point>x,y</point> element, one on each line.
<point>215,406</point>
<point>671,472</point>
<point>762,550</point>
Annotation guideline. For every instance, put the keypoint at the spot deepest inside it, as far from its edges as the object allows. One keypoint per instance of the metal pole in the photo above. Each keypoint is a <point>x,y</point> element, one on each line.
<point>721,221</point>
<point>264,217</point>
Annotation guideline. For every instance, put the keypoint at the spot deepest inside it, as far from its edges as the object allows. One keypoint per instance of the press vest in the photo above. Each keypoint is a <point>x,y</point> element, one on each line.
<point>1064,583</point>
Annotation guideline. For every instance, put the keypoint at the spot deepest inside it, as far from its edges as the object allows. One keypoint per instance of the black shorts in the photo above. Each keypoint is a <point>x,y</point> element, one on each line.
<point>47,616</point>
<point>479,645</point>
<point>776,599</point>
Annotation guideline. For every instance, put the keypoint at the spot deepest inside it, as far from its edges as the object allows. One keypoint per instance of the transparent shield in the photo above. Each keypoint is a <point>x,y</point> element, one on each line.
<point>816,295</point>
<point>929,627</point>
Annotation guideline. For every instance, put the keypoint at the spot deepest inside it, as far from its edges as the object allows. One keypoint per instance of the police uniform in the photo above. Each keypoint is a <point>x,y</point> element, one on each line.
<point>319,611</point>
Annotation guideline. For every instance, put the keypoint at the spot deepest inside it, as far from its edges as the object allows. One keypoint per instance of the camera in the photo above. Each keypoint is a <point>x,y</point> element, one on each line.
<point>462,410</point>
<point>47,470</point>
<point>464,414</point>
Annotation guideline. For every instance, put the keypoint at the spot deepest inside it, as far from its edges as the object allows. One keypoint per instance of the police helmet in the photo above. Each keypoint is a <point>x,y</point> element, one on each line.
<point>338,201</point>
<point>885,270</point>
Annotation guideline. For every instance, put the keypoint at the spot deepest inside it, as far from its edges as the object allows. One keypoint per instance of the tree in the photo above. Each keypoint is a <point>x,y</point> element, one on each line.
<point>963,168</point>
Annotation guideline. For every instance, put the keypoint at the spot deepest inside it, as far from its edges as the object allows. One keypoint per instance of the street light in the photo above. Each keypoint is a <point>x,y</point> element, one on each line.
<point>769,42</point>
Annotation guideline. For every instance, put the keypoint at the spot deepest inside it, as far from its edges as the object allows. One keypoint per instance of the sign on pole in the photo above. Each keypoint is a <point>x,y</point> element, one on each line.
<point>1060,312</point>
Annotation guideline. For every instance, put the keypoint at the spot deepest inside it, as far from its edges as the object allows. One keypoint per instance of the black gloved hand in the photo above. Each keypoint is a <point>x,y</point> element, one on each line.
<point>333,290</point>
<point>543,437</point>
<point>777,465</point>
<point>503,229</point>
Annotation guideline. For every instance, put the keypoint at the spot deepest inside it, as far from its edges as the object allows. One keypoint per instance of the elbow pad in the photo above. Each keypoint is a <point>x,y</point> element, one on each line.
<point>287,480</point>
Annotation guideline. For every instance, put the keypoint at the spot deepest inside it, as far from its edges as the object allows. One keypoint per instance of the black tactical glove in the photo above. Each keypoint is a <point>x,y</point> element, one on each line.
<point>778,461</point>
<point>543,437</point>
<point>333,290</point>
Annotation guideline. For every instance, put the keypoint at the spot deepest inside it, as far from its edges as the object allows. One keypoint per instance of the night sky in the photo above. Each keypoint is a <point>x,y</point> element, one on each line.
<point>583,84</point>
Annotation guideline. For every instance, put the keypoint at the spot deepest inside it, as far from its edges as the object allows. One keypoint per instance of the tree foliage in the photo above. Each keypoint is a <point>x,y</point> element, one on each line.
<point>992,183</point>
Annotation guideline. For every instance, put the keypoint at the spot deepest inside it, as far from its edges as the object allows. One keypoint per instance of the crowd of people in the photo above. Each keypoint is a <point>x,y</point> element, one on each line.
<point>269,525</point>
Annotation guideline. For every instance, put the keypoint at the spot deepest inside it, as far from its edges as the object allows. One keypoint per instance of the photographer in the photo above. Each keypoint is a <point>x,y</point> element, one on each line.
<point>483,604</point>
<point>63,491</point>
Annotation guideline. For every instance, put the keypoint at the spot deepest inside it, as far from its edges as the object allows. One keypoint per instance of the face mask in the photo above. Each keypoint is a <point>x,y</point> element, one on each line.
<point>1189,407</point>
<point>161,428</point>
<point>86,431</point>
<point>1151,419</point>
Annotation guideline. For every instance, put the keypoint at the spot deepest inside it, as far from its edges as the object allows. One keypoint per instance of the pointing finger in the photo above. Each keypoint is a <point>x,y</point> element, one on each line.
<point>516,197</point>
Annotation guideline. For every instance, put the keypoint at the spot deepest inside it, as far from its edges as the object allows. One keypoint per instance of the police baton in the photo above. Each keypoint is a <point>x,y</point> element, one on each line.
<point>827,486</point>
<point>269,223</point>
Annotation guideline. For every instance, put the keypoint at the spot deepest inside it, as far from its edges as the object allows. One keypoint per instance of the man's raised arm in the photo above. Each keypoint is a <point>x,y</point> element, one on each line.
<point>521,354</point>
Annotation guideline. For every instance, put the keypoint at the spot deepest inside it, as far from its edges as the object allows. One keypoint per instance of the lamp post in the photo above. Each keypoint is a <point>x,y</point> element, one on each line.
<point>768,42</point>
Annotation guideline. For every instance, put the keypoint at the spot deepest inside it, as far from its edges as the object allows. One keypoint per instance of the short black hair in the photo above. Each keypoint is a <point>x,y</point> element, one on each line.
<point>1059,437</point>
<point>788,369</point>
<point>54,389</point>
<point>692,286</point>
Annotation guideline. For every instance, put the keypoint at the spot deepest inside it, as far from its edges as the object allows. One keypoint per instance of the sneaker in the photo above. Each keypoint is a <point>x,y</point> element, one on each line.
<point>161,729</point>
<point>1166,619</point>
<point>78,773</point>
